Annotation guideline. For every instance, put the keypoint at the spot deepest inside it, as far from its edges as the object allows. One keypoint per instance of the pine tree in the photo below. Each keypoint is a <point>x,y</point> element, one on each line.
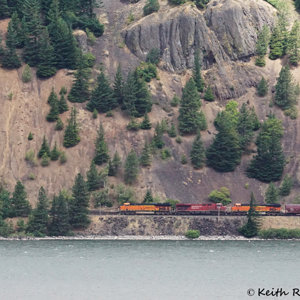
<point>294,44</point>
<point>52,97</point>
<point>17,28</point>
<point>20,204</point>
<point>172,131</point>
<point>245,127</point>
<point>262,46</point>
<point>286,186</point>
<point>285,95</point>
<point>269,162</point>
<point>10,59</point>
<point>262,88</point>
<point>118,88</point>
<point>251,228</point>
<point>209,95</point>
<point>113,165</point>
<point>79,204</point>
<point>71,136</point>
<point>102,96</point>
<point>271,195</point>
<point>190,120</point>
<point>131,168</point>
<point>44,148</point>
<point>197,73</point>
<point>59,125</point>
<point>146,124</point>
<point>46,66</point>
<point>45,160</point>
<point>59,217</point>
<point>157,138</point>
<point>55,153</point>
<point>80,88</point>
<point>4,9</point>
<point>62,104</point>
<point>197,153</point>
<point>145,159</point>
<point>93,181</point>
<point>276,43</point>
<point>38,220</point>
<point>54,110</point>
<point>224,154</point>
<point>101,149</point>
<point>148,197</point>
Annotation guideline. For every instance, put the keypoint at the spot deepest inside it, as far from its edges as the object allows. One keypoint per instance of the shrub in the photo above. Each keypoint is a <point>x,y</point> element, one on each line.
<point>89,60</point>
<point>165,153</point>
<point>281,233</point>
<point>153,56</point>
<point>45,160</point>
<point>90,36</point>
<point>291,112</point>
<point>133,125</point>
<point>30,158</point>
<point>192,234</point>
<point>175,101</point>
<point>151,7</point>
<point>183,159</point>
<point>95,113</point>
<point>178,140</point>
<point>26,75</point>
<point>31,176</point>
<point>63,158</point>
<point>124,194</point>
<point>220,196</point>
<point>30,136</point>
<point>147,71</point>
<point>102,199</point>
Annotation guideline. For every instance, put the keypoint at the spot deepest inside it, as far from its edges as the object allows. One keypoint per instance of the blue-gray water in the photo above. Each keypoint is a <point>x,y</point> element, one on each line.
<point>143,270</point>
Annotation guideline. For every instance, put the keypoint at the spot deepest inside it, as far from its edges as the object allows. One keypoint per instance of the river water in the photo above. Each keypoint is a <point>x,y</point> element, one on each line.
<point>142,270</point>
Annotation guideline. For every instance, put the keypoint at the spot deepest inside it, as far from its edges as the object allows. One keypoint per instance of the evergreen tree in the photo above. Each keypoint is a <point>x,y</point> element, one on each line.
<point>131,168</point>
<point>59,124</point>
<point>79,204</point>
<point>197,73</point>
<point>224,154</point>
<point>209,95</point>
<point>59,217</point>
<point>45,160</point>
<point>62,104</point>
<point>262,88</point>
<point>145,159</point>
<point>113,165</point>
<point>197,153</point>
<point>6,207</point>
<point>150,7</point>
<point>93,182</point>
<point>54,110</point>
<point>101,149</point>
<point>44,148</point>
<point>245,127</point>
<point>251,228</point>
<point>80,88</point>
<point>190,120</point>
<point>146,124</point>
<point>269,162</point>
<point>52,97</point>
<point>55,153</point>
<point>137,100</point>
<point>10,59</point>
<point>11,35</point>
<point>148,197</point>
<point>16,27</point>
<point>294,44</point>
<point>272,195</point>
<point>172,131</point>
<point>285,95</point>
<point>276,43</point>
<point>20,204</point>
<point>46,66</point>
<point>38,220</point>
<point>4,9</point>
<point>71,136</point>
<point>102,96</point>
<point>286,186</point>
<point>118,87</point>
<point>262,43</point>
<point>157,138</point>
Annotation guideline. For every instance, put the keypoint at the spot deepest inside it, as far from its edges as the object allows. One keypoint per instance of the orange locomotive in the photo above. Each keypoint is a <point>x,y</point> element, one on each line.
<point>262,209</point>
<point>155,208</point>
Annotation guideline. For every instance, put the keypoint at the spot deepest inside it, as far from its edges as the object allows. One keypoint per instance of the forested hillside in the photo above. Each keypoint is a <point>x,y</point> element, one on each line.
<point>132,101</point>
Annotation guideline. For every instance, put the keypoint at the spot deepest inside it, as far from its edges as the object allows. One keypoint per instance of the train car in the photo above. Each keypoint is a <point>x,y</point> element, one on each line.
<point>153,208</point>
<point>270,209</point>
<point>205,208</point>
<point>292,209</point>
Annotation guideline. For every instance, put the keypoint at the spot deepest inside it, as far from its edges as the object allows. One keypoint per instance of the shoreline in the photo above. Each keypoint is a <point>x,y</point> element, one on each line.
<point>136,238</point>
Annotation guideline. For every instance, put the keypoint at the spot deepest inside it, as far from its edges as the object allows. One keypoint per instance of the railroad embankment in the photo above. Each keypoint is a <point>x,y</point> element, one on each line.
<point>177,225</point>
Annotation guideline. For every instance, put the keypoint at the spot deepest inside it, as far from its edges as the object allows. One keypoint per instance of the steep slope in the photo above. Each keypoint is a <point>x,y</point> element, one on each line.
<point>226,31</point>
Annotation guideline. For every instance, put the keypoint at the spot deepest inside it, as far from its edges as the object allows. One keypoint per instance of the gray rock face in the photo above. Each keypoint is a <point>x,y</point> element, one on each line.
<point>226,31</point>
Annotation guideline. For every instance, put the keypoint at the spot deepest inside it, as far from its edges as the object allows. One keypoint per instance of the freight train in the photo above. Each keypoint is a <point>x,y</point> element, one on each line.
<point>208,209</point>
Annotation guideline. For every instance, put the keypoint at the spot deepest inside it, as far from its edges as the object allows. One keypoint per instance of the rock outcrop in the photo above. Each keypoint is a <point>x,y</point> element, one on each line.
<point>226,31</point>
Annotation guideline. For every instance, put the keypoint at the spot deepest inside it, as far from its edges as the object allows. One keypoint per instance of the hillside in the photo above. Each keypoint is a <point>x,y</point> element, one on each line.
<point>226,32</point>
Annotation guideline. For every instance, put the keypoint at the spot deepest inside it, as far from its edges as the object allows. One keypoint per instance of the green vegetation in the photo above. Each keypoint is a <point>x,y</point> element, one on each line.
<point>19,204</point>
<point>71,136</point>
<point>101,150</point>
<point>146,124</point>
<point>114,165</point>
<point>209,95</point>
<point>197,74</point>
<point>145,159</point>
<point>272,194</point>
<point>192,234</point>
<point>262,46</point>
<point>131,168</point>
<point>148,197</point>
<point>222,195</point>
<point>262,87</point>
<point>281,233</point>
<point>251,228</point>
<point>44,148</point>
<point>150,7</point>
<point>286,186</point>
<point>197,153</point>
<point>26,75</point>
